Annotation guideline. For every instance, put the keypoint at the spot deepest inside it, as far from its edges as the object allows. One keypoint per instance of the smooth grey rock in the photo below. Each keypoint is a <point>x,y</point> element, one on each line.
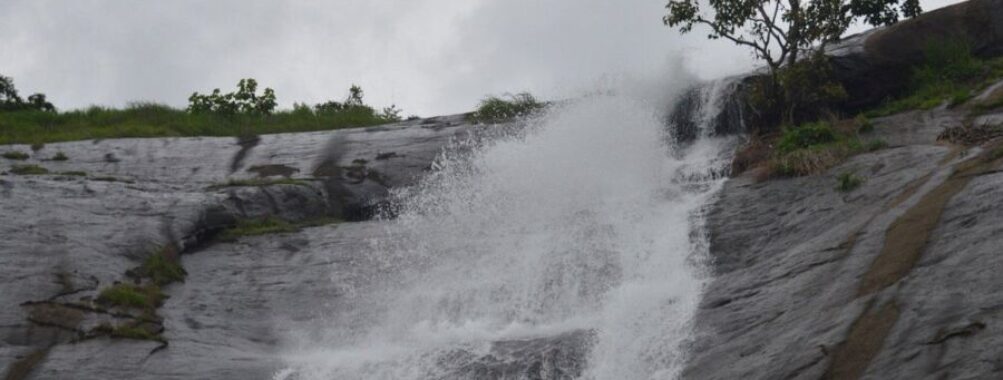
<point>789,256</point>
<point>67,236</point>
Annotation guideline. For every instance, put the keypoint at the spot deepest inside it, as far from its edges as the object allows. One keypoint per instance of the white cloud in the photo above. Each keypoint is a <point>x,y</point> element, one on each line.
<point>427,56</point>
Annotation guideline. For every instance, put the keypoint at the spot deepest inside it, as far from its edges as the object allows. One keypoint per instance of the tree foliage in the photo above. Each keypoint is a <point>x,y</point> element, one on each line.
<point>777,31</point>
<point>11,101</point>
<point>244,101</point>
<point>354,103</point>
<point>789,36</point>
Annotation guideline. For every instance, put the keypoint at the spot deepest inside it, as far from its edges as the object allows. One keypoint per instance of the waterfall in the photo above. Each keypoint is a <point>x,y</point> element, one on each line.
<point>570,248</point>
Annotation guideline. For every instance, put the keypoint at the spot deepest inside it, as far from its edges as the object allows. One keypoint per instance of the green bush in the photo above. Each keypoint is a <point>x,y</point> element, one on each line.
<point>495,109</point>
<point>244,101</point>
<point>805,136</point>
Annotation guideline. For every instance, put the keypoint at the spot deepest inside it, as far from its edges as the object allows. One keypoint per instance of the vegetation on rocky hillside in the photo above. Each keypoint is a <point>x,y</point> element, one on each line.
<point>494,109</point>
<point>950,73</point>
<point>243,112</point>
<point>789,36</point>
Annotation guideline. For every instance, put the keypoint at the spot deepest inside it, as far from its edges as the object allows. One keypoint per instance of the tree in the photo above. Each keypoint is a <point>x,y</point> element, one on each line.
<point>11,101</point>
<point>779,31</point>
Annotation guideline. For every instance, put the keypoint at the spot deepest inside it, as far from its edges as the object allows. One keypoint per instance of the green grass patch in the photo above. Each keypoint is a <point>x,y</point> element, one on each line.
<point>494,109</point>
<point>60,156</point>
<point>28,170</point>
<point>109,178</point>
<point>269,225</point>
<point>805,136</point>
<point>129,295</point>
<point>135,332</point>
<point>815,147</point>
<point>848,182</point>
<point>950,74</point>
<point>128,331</point>
<point>155,120</point>
<point>255,227</point>
<point>15,155</point>
<point>162,267</point>
<point>257,182</point>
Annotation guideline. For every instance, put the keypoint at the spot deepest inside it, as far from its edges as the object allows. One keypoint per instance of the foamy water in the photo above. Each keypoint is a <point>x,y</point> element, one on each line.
<point>585,222</point>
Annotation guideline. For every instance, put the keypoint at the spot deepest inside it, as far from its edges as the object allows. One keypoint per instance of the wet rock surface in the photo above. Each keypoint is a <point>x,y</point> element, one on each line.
<point>816,283</point>
<point>95,216</point>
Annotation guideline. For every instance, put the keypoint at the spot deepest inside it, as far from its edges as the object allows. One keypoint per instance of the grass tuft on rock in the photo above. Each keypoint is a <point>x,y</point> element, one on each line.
<point>28,170</point>
<point>60,156</point>
<point>15,155</point>
<point>269,225</point>
<point>848,181</point>
<point>130,295</point>
<point>128,331</point>
<point>258,182</point>
<point>255,227</point>
<point>815,147</point>
<point>163,267</point>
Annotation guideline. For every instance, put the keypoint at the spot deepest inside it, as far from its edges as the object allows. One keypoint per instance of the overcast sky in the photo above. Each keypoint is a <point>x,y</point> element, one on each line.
<point>427,56</point>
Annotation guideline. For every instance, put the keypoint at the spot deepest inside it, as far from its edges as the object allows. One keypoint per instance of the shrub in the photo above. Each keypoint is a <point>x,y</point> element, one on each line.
<point>496,109</point>
<point>244,101</point>
<point>28,170</point>
<point>15,155</point>
<point>848,182</point>
<point>60,156</point>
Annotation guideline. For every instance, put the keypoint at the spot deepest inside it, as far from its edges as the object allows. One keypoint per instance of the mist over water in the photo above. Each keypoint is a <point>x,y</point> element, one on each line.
<point>587,222</point>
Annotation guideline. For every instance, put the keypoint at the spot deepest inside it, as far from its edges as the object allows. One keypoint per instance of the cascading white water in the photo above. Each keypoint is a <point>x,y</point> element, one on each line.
<point>585,222</point>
